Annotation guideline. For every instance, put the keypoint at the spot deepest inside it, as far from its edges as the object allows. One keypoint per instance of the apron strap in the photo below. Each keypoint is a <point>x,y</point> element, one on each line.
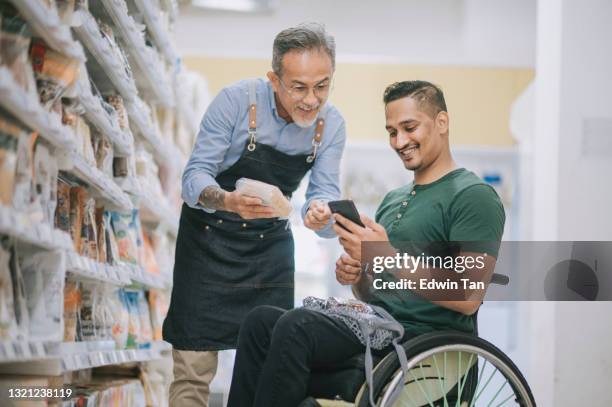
<point>318,136</point>
<point>252,115</point>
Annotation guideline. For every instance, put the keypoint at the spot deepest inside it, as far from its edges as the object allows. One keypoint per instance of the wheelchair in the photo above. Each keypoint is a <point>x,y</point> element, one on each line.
<point>445,369</point>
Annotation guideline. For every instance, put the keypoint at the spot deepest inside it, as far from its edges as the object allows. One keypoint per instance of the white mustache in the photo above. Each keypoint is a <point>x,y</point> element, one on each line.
<point>306,107</point>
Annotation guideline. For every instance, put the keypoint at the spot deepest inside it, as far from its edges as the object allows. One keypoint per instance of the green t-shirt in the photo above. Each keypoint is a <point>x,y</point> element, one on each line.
<point>459,207</point>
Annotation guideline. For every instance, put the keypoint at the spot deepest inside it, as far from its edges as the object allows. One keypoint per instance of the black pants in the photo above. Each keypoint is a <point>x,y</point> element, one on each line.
<point>277,350</point>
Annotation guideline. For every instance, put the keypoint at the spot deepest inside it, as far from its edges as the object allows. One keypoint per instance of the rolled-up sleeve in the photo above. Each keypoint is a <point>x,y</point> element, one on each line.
<point>325,177</point>
<point>213,140</point>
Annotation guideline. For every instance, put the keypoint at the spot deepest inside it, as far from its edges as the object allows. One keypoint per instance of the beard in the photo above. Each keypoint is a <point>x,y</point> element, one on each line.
<point>303,123</point>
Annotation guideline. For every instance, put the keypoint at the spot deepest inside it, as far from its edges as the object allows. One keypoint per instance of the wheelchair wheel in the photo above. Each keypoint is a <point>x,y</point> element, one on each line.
<point>449,369</point>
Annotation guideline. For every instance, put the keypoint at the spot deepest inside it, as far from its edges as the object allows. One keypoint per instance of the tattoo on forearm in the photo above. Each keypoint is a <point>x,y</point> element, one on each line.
<point>213,197</point>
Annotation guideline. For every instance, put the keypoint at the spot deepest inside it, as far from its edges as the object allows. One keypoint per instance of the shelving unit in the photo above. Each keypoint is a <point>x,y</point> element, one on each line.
<point>26,107</point>
<point>55,358</point>
<point>154,80</point>
<point>145,78</point>
<point>96,115</point>
<point>115,69</point>
<point>46,23</point>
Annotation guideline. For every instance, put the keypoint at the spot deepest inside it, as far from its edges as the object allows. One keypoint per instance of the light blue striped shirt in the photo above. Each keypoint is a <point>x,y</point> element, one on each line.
<point>223,136</point>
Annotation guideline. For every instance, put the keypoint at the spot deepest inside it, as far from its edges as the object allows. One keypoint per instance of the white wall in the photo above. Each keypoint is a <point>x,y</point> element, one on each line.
<point>570,348</point>
<point>455,32</point>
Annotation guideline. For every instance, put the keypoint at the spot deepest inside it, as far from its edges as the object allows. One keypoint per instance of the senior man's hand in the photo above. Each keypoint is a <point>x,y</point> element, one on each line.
<point>318,215</point>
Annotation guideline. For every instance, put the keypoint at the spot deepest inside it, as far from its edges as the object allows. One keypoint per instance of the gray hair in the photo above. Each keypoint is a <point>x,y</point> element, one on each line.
<point>306,36</point>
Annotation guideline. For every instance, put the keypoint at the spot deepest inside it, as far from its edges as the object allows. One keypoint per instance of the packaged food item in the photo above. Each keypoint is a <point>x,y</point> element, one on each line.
<point>150,262</point>
<point>103,151</point>
<point>7,308</point>
<point>24,182</point>
<point>78,196</point>
<point>135,229</point>
<point>146,333</point>
<point>45,176</point>
<point>158,306</point>
<point>112,249</point>
<point>72,305</point>
<point>86,326</point>
<point>101,234</point>
<point>62,211</point>
<point>54,72</point>
<point>22,318</point>
<point>269,194</point>
<point>14,45</point>
<point>116,102</point>
<point>125,235</point>
<point>120,166</point>
<point>120,322</point>
<point>89,234</point>
<point>43,275</point>
<point>131,302</point>
<point>104,315</point>
<point>9,136</point>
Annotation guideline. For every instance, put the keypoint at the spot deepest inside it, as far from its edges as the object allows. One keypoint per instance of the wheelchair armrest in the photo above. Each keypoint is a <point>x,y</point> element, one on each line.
<point>500,279</point>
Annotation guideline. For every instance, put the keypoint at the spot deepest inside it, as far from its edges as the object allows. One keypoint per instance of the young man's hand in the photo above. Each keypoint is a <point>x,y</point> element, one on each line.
<point>318,215</point>
<point>348,270</point>
<point>351,239</point>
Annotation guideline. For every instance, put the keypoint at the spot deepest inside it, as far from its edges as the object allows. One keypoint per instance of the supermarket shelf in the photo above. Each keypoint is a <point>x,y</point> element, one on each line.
<point>100,49</point>
<point>46,23</point>
<point>101,183</point>
<point>140,119</point>
<point>56,358</point>
<point>150,67</point>
<point>104,122</point>
<point>26,107</point>
<point>141,277</point>
<point>18,225</point>
<point>156,209</point>
<point>151,16</point>
<point>86,268</point>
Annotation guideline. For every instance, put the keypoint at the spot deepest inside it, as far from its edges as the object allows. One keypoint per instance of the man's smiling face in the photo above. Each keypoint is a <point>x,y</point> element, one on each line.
<point>413,133</point>
<point>308,72</point>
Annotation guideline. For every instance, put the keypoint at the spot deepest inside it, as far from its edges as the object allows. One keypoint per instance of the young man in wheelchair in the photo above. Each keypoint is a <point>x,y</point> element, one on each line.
<point>278,349</point>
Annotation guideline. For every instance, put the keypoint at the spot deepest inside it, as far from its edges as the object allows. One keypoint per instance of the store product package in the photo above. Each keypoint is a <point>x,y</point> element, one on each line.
<point>22,317</point>
<point>78,197</point>
<point>112,249</point>
<point>62,210</point>
<point>158,306</point>
<point>45,176</point>
<point>134,335</point>
<point>86,327</point>
<point>125,236</point>
<point>146,333</point>
<point>24,183</point>
<point>72,305</point>
<point>43,275</point>
<point>89,233</point>
<point>103,152</point>
<point>120,322</point>
<point>7,308</point>
<point>14,45</point>
<point>271,195</point>
<point>54,72</point>
<point>9,137</point>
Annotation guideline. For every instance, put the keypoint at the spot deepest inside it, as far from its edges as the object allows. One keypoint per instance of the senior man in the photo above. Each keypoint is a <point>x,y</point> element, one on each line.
<point>233,253</point>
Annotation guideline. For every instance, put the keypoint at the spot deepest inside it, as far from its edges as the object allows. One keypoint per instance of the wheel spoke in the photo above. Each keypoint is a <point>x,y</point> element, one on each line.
<point>486,384</point>
<point>497,393</point>
<point>483,368</point>
<point>421,388</point>
<point>458,401</point>
<point>462,383</point>
<point>506,399</point>
<point>441,379</point>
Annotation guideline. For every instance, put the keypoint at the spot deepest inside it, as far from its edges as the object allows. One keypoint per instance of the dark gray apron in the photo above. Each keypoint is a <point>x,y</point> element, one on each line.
<point>225,265</point>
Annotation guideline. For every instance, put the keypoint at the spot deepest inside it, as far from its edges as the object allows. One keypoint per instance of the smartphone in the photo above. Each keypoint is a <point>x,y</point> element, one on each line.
<point>347,209</point>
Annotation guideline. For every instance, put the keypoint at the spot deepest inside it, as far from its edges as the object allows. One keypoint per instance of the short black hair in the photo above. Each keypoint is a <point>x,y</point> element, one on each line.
<point>428,96</point>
